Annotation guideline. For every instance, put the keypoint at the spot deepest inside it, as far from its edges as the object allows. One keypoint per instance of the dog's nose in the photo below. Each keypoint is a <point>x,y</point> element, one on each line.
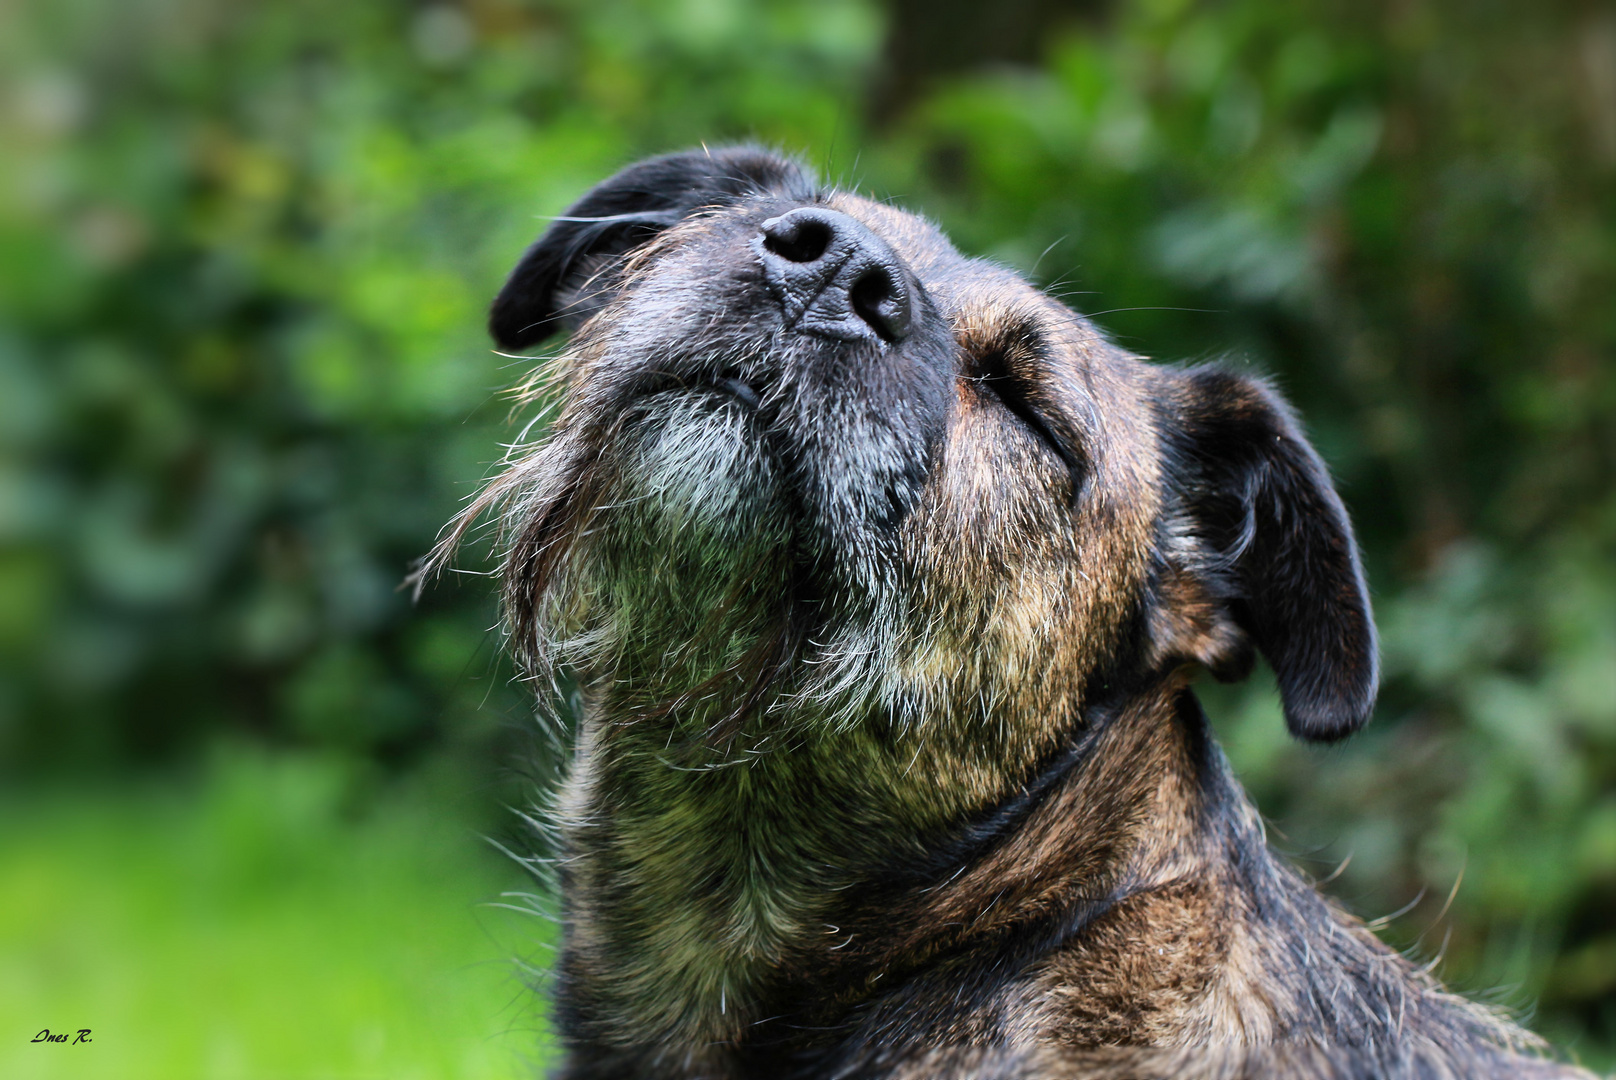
<point>834,276</point>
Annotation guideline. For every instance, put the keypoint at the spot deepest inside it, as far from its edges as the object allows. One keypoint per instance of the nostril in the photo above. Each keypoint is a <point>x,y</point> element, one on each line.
<point>881,303</point>
<point>834,277</point>
<point>798,239</point>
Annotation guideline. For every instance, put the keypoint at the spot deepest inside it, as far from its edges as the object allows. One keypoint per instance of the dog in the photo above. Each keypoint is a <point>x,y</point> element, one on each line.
<point>883,578</point>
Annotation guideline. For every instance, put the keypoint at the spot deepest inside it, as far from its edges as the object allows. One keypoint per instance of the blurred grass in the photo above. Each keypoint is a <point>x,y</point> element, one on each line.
<point>287,916</point>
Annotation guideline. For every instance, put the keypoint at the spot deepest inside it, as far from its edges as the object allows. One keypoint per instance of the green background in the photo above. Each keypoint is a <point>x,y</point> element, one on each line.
<point>253,800</point>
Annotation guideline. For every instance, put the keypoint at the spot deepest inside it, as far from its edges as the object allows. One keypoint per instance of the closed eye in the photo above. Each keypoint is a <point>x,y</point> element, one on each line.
<point>995,378</point>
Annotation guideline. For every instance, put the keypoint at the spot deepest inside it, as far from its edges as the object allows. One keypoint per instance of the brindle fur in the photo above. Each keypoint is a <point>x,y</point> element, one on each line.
<point>888,763</point>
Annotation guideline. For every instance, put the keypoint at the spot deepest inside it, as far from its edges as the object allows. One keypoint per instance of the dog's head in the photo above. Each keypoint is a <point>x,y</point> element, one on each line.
<point>812,466</point>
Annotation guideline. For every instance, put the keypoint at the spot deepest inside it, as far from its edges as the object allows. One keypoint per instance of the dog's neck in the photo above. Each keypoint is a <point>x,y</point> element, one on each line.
<point>731,921</point>
<point>698,898</point>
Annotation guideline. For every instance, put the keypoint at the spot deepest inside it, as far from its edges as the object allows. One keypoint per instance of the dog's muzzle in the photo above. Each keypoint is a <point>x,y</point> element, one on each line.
<point>834,277</point>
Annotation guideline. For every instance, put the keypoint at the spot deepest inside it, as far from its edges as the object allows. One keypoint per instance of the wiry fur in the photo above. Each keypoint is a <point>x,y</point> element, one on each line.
<point>888,763</point>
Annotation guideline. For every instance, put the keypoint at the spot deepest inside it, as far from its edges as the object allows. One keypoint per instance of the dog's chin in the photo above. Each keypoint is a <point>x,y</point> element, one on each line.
<point>722,480</point>
<point>697,492</point>
<point>692,544</point>
<point>706,555</point>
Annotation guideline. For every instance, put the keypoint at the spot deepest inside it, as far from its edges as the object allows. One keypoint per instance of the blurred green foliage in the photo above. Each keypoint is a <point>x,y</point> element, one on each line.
<point>245,249</point>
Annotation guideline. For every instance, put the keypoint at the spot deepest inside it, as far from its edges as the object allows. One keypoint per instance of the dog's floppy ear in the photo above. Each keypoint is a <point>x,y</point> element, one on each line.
<point>1274,546</point>
<point>550,289</point>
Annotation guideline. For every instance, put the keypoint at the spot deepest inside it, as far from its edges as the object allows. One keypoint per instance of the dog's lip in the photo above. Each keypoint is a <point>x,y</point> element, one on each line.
<point>735,388</point>
<point>724,384</point>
